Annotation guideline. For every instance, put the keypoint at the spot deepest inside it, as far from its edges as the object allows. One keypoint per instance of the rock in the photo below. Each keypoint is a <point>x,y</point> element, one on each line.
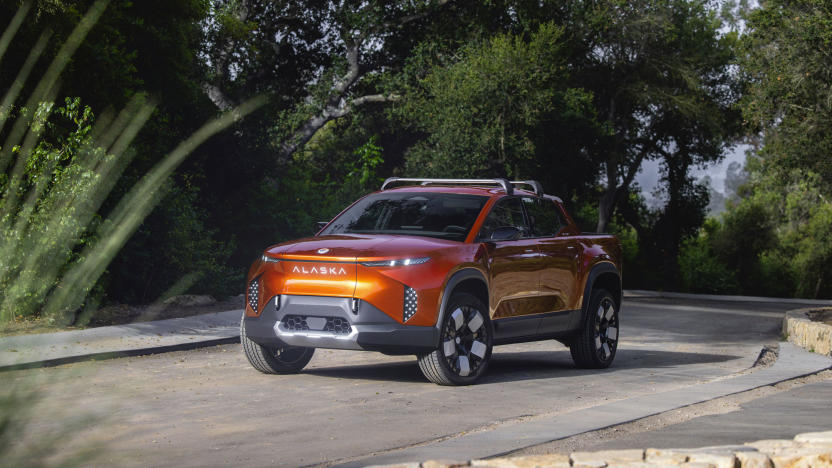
<point>189,300</point>
<point>555,460</point>
<point>443,464</point>
<point>815,438</point>
<point>753,460</point>
<point>668,457</point>
<point>770,446</point>
<point>400,465</point>
<point>640,464</point>
<point>606,456</point>
<point>803,457</point>
<point>594,464</point>
<point>718,461</point>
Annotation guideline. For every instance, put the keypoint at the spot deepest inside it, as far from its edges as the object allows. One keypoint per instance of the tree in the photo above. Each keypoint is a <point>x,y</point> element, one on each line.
<point>789,98</point>
<point>319,60</point>
<point>660,74</point>
<point>486,111</point>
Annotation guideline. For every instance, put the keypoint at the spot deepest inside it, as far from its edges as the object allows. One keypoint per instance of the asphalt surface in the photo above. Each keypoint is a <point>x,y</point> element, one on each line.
<point>208,407</point>
<point>781,416</point>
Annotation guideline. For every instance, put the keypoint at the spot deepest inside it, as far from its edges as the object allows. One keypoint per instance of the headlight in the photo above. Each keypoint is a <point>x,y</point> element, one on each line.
<point>266,259</point>
<point>399,262</point>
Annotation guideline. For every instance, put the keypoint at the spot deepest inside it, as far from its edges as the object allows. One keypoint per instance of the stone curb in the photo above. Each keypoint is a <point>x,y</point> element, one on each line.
<point>809,450</point>
<point>810,335</point>
<point>134,339</point>
<point>639,293</point>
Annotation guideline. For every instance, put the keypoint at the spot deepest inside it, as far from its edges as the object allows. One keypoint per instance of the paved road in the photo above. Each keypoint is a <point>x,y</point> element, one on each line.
<point>806,408</point>
<point>209,407</point>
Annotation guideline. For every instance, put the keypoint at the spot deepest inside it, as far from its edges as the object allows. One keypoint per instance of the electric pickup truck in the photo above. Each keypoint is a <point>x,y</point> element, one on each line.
<point>444,269</point>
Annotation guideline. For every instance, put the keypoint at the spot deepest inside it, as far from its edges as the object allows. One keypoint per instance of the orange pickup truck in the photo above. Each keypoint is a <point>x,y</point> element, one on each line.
<point>444,269</point>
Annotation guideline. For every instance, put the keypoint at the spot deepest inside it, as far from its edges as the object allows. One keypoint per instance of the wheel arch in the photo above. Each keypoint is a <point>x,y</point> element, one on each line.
<point>469,280</point>
<point>603,275</point>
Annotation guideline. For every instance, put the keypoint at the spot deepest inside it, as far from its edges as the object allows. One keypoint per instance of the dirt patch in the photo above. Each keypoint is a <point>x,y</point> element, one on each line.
<point>767,357</point>
<point>122,314</point>
<point>821,315</point>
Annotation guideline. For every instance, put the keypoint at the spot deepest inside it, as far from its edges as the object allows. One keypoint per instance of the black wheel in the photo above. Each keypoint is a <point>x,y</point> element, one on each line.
<point>274,359</point>
<point>465,342</point>
<point>595,347</point>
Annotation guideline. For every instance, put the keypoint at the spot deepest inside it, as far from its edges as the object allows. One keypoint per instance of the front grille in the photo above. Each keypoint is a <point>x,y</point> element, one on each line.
<point>299,323</point>
<point>254,294</point>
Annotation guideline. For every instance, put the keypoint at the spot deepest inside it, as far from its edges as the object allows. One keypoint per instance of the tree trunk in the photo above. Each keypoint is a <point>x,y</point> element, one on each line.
<point>606,204</point>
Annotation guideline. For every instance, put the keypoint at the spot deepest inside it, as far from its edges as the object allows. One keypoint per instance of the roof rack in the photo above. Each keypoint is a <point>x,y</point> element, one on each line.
<point>536,186</point>
<point>504,183</point>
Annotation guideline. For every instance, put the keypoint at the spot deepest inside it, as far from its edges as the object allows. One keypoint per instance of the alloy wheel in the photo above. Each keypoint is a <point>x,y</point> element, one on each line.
<point>465,340</point>
<point>606,329</point>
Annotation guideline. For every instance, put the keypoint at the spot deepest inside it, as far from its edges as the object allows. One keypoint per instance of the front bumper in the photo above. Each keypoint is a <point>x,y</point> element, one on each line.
<point>308,321</point>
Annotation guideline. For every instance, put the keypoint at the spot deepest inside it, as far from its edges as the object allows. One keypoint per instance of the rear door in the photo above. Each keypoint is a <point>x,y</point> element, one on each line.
<point>559,263</point>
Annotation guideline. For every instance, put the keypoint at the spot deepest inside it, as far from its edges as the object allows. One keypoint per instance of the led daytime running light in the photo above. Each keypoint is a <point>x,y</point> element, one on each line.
<point>398,262</point>
<point>266,259</point>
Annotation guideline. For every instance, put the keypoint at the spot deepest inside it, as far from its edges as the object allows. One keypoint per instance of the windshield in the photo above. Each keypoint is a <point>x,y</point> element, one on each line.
<point>442,215</point>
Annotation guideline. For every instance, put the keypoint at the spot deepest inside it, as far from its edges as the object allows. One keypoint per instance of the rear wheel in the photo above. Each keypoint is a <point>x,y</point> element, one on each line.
<point>465,342</point>
<point>595,347</point>
<point>274,359</point>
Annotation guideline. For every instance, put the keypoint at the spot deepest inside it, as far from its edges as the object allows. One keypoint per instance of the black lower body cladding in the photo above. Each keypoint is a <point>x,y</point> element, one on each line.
<point>330,322</point>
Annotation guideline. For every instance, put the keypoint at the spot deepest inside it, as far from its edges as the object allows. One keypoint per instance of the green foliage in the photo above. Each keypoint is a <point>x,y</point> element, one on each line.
<point>700,265</point>
<point>574,94</point>
<point>481,111</point>
<point>367,158</point>
<point>48,205</point>
<point>775,240</point>
<point>786,56</point>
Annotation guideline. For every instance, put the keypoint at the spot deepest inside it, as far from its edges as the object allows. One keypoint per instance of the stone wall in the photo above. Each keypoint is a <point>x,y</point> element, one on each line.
<point>810,450</point>
<point>813,336</point>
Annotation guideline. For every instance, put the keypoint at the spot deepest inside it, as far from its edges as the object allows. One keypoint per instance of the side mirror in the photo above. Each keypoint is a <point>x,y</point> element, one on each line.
<point>505,233</point>
<point>319,225</point>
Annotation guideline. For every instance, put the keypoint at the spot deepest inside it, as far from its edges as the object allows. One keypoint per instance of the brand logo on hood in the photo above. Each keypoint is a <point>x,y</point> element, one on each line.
<point>319,270</point>
<point>323,251</point>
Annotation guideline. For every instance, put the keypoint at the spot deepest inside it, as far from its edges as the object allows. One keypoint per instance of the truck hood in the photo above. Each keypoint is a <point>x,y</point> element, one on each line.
<point>356,247</point>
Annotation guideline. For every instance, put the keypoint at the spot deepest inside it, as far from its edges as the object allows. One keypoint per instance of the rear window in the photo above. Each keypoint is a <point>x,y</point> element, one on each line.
<point>441,215</point>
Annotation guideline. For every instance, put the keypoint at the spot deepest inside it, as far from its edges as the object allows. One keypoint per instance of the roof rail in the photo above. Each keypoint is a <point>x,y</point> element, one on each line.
<point>535,185</point>
<point>504,183</point>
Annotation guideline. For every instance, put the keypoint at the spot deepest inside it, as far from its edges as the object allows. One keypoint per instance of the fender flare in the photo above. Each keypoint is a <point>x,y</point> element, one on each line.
<point>456,278</point>
<point>596,271</point>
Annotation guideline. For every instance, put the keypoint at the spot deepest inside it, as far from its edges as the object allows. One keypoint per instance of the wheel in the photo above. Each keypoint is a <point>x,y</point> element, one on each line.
<point>465,341</point>
<point>274,359</point>
<point>595,347</point>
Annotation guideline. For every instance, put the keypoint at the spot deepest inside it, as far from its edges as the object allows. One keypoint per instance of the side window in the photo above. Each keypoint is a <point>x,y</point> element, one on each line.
<point>543,216</point>
<point>507,212</point>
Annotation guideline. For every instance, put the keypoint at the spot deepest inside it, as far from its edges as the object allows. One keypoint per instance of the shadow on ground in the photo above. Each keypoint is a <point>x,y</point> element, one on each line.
<point>516,366</point>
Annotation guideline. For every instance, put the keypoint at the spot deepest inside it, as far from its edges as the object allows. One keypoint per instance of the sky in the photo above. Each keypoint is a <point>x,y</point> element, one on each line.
<point>648,176</point>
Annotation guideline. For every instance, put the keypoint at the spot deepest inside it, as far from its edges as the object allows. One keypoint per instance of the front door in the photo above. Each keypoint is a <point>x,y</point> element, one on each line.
<point>514,269</point>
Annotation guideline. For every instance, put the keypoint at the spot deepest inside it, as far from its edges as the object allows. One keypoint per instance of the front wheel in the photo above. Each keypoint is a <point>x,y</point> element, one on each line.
<point>595,346</point>
<point>465,342</point>
<point>274,359</point>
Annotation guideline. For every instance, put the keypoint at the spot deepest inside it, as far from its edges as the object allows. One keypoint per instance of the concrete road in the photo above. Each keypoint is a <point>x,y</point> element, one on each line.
<point>209,407</point>
<point>805,408</point>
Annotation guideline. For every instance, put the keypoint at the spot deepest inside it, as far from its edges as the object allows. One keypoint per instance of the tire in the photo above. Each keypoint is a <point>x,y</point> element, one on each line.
<point>595,346</point>
<point>465,341</point>
<point>274,359</point>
